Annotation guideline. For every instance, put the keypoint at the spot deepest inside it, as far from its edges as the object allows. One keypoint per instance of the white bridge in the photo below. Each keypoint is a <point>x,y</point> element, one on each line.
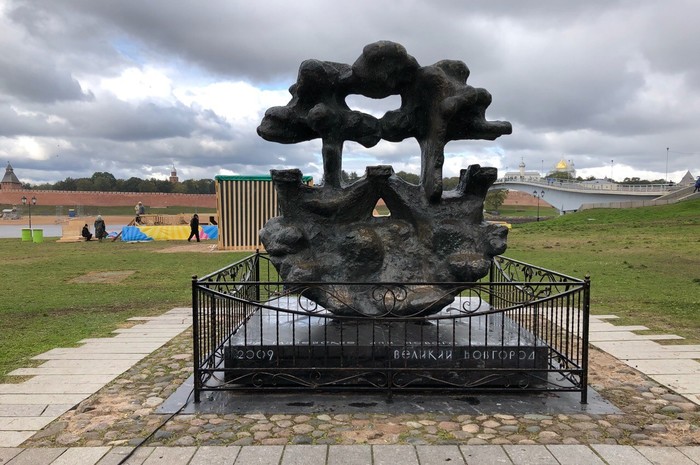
<point>568,196</point>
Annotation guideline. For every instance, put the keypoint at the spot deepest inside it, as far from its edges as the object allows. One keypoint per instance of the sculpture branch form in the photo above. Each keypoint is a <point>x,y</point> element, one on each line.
<point>328,233</point>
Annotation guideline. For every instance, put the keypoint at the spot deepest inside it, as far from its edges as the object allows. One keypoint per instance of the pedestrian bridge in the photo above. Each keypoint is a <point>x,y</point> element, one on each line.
<point>571,196</point>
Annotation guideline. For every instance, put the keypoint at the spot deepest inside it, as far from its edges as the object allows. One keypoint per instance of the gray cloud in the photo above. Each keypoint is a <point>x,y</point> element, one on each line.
<point>588,81</point>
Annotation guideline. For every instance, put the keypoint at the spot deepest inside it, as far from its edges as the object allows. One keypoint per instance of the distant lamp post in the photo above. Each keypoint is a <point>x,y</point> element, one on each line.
<point>538,195</point>
<point>666,179</point>
<point>29,204</point>
<point>612,162</point>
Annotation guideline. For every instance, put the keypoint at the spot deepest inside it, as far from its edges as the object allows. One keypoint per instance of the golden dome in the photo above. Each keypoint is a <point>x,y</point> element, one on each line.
<point>562,165</point>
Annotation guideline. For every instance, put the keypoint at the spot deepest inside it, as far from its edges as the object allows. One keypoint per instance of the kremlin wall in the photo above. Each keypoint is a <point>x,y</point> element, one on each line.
<point>11,193</point>
<point>70,199</point>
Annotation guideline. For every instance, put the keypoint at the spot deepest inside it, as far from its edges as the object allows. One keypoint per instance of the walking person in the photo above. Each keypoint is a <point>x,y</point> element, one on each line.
<point>100,228</point>
<point>194,227</point>
<point>697,185</point>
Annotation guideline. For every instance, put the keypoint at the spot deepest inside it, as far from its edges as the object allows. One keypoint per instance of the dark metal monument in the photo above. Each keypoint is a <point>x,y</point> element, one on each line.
<point>419,300</point>
<point>328,233</point>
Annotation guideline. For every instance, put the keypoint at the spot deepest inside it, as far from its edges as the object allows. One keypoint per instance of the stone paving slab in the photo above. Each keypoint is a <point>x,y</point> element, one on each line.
<point>599,454</point>
<point>353,455</point>
<point>664,367</point>
<point>170,456</point>
<point>683,347</point>
<point>620,455</point>
<point>575,455</point>
<point>494,455</point>
<point>665,455</point>
<point>394,454</point>
<point>137,341</point>
<point>260,455</point>
<point>645,346</point>
<point>41,399</point>
<point>14,438</point>
<point>116,455</point>
<point>81,456</point>
<point>693,453</point>
<point>530,455</point>
<point>62,363</point>
<point>607,327</point>
<point>39,456</point>
<point>439,455</point>
<point>138,331</point>
<point>125,339</point>
<point>215,455</point>
<point>106,349</point>
<point>24,423</point>
<point>71,379</point>
<point>682,383</point>
<point>94,357</point>
<point>604,336</point>
<point>51,388</point>
<point>95,371</point>
<point>305,455</point>
<point>21,411</point>
<point>7,453</point>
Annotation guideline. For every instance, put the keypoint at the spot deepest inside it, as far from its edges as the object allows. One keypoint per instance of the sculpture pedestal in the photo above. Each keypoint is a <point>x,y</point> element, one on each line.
<point>276,349</point>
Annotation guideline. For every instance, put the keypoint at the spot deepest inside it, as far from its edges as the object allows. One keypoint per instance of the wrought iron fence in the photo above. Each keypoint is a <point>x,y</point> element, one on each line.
<point>523,329</point>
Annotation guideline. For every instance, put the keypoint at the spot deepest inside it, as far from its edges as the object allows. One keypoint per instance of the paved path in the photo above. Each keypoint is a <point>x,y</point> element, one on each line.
<point>69,376</point>
<point>674,366</point>
<point>357,455</point>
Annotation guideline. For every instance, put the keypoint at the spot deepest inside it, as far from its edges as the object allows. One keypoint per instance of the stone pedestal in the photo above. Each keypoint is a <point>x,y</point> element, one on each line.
<point>277,349</point>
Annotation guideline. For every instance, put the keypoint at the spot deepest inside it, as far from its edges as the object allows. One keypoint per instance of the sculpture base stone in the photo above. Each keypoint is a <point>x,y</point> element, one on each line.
<point>278,349</point>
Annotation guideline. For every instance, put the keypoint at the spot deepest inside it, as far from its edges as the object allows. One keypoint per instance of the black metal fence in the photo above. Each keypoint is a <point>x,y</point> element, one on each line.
<point>522,329</point>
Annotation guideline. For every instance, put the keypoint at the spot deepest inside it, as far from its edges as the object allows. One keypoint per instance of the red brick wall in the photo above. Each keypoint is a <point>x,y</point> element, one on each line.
<point>522,198</point>
<point>152,199</point>
<point>108,199</point>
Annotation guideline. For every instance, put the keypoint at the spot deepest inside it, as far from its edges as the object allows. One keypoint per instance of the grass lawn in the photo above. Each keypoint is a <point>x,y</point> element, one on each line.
<point>644,264</point>
<point>45,304</point>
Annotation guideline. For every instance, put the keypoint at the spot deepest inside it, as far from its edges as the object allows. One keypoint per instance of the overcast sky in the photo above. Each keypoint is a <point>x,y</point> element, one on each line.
<point>133,87</point>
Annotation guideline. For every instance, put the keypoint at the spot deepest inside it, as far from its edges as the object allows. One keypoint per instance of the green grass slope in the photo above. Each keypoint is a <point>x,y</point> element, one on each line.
<point>644,263</point>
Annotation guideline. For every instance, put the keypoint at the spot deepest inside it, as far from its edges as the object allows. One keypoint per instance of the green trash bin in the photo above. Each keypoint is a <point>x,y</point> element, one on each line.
<point>26,235</point>
<point>38,235</point>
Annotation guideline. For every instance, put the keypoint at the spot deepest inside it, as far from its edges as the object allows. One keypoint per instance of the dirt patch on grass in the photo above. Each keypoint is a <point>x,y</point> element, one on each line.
<point>103,277</point>
<point>192,247</point>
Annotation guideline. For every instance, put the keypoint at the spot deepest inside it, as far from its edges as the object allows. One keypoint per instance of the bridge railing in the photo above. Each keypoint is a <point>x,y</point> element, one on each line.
<point>580,186</point>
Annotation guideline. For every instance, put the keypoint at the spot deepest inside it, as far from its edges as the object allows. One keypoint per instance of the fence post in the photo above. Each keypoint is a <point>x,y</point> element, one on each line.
<point>256,274</point>
<point>584,349</point>
<point>195,340</point>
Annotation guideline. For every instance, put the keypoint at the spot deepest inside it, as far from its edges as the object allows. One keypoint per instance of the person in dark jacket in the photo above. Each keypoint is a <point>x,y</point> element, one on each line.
<point>194,227</point>
<point>697,185</point>
<point>100,228</point>
<point>86,233</point>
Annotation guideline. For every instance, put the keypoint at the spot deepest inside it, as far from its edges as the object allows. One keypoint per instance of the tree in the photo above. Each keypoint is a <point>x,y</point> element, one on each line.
<point>103,181</point>
<point>495,198</point>
<point>449,184</point>
<point>84,184</point>
<point>349,178</point>
<point>409,177</point>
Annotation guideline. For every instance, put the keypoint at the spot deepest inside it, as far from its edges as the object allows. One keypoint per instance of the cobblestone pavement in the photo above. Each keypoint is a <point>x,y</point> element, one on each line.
<point>123,414</point>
